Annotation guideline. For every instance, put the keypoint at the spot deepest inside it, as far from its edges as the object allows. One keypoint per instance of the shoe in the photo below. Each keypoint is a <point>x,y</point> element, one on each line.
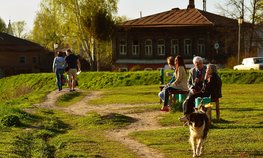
<point>183,118</point>
<point>165,108</point>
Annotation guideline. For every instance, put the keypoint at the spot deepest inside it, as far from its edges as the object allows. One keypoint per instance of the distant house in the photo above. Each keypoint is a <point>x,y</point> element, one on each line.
<point>147,41</point>
<point>22,56</point>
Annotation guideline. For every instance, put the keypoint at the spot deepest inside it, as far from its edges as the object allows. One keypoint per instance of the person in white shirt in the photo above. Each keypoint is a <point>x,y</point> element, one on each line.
<point>58,68</point>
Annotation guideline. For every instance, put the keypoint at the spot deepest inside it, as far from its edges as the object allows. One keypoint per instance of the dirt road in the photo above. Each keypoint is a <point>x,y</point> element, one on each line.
<point>145,120</point>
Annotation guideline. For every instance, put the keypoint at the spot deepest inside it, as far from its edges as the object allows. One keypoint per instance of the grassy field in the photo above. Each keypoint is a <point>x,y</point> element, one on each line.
<point>237,134</point>
<point>50,133</point>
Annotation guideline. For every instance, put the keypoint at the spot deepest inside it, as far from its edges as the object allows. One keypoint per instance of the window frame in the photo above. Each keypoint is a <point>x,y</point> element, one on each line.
<point>161,47</point>
<point>22,59</point>
<point>148,47</point>
<point>123,47</point>
<point>135,47</point>
<point>174,47</point>
<point>201,46</point>
<point>187,47</point>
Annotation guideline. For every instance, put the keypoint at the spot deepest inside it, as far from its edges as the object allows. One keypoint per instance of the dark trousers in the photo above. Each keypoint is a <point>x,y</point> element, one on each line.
<point>189,103</point>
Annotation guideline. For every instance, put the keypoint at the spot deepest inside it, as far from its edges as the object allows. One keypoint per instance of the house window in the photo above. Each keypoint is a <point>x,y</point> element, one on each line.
<point>174,47</point>
<point>22,60</point>
<point>161,47</point>
<point>148,47</point>
<point>201,46</point>
<point>34,60</point>
<point>135,47</point>
<point>187,46</point>
<point>123,47</point>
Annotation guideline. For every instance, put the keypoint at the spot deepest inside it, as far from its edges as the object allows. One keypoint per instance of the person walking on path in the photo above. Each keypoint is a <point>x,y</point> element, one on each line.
<point>58,68</point>
<point>73,66</point>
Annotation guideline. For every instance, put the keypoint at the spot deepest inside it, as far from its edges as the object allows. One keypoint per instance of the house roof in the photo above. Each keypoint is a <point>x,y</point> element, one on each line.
<point>180,18</point>
<point>10,43</point>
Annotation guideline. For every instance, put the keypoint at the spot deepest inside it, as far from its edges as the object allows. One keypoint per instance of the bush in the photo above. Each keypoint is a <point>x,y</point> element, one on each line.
<point>10,120</point>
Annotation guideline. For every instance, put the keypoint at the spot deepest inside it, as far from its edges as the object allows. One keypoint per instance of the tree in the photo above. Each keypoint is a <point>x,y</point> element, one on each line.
<point>18,28</point>
<point>2,25</point>
<point>250,12</point>
<point>82,24</point>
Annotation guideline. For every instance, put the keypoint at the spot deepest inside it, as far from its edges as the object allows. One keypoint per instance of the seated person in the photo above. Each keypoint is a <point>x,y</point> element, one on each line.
<point>180,82</point>
<point>170,62</point>
<point>211,88</point>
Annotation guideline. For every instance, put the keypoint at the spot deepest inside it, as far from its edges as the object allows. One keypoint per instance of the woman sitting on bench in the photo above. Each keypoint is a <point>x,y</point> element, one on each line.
<point>211,88</point>
<point>180,82</point>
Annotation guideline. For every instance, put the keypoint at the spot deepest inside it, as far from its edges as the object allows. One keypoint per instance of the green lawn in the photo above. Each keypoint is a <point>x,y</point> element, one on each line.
<point>237,134</point>
<point>47,133</point>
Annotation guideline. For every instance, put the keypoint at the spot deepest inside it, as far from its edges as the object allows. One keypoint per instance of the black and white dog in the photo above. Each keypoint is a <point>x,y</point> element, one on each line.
<point>198,123</point>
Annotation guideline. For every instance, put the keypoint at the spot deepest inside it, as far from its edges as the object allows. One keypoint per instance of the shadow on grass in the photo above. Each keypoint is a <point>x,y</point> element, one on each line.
<point>118,118</point>
<point>242,109</point>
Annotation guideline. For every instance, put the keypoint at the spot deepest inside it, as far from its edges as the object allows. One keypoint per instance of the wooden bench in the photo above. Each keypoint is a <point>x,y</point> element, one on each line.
<point>174,92</point>
<point>209,110</point>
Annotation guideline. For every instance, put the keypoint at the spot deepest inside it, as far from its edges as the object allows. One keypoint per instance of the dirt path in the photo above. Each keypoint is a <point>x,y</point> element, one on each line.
<point>145,120</point>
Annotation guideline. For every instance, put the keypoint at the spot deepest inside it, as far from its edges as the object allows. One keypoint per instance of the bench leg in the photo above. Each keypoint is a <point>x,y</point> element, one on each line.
<point>170,100</point>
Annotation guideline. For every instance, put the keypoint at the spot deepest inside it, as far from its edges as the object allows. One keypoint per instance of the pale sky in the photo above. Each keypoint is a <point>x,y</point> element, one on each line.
<point>25,10</point>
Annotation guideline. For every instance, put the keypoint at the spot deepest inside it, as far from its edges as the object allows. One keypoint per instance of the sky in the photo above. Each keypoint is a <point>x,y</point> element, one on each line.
<point>25,10</point>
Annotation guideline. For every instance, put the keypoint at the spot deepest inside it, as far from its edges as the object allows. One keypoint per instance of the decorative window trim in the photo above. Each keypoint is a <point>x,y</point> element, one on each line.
<point>135,47</point>
<point>187,46</point>
<point>174,47</point>
<point>123,47</point>
<point>148,47</point>
<point>201,46</point>
<point>161,47</point>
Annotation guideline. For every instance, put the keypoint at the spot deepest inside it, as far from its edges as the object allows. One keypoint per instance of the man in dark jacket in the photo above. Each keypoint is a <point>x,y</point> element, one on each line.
<point>73,66</point>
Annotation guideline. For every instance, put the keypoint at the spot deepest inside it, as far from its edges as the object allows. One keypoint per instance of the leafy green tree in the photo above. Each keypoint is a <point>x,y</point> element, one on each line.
<point>2,25</point>
<point>47,26</point>
<point>81,24</point>
<point>18,28</point>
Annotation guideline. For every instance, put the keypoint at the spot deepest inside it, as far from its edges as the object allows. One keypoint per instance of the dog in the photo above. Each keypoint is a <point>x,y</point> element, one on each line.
<point>198,123</point>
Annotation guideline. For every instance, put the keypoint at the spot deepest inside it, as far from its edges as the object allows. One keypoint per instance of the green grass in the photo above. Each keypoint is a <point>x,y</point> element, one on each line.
<point>51,133</point>
<point>238,134</point>
<point>128,95</point>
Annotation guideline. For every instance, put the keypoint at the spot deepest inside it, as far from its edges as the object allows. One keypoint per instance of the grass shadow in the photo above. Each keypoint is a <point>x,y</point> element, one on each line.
<point>242,109</point>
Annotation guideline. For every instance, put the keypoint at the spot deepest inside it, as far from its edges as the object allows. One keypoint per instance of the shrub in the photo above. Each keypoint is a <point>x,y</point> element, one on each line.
<point>10,120</point>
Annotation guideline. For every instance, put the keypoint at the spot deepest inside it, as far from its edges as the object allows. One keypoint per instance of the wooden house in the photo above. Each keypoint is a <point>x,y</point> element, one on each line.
<point>22,56</point>
<point>146,42</point>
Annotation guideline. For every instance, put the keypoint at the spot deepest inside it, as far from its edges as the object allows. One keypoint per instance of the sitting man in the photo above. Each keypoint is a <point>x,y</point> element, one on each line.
<point>195,83</point>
